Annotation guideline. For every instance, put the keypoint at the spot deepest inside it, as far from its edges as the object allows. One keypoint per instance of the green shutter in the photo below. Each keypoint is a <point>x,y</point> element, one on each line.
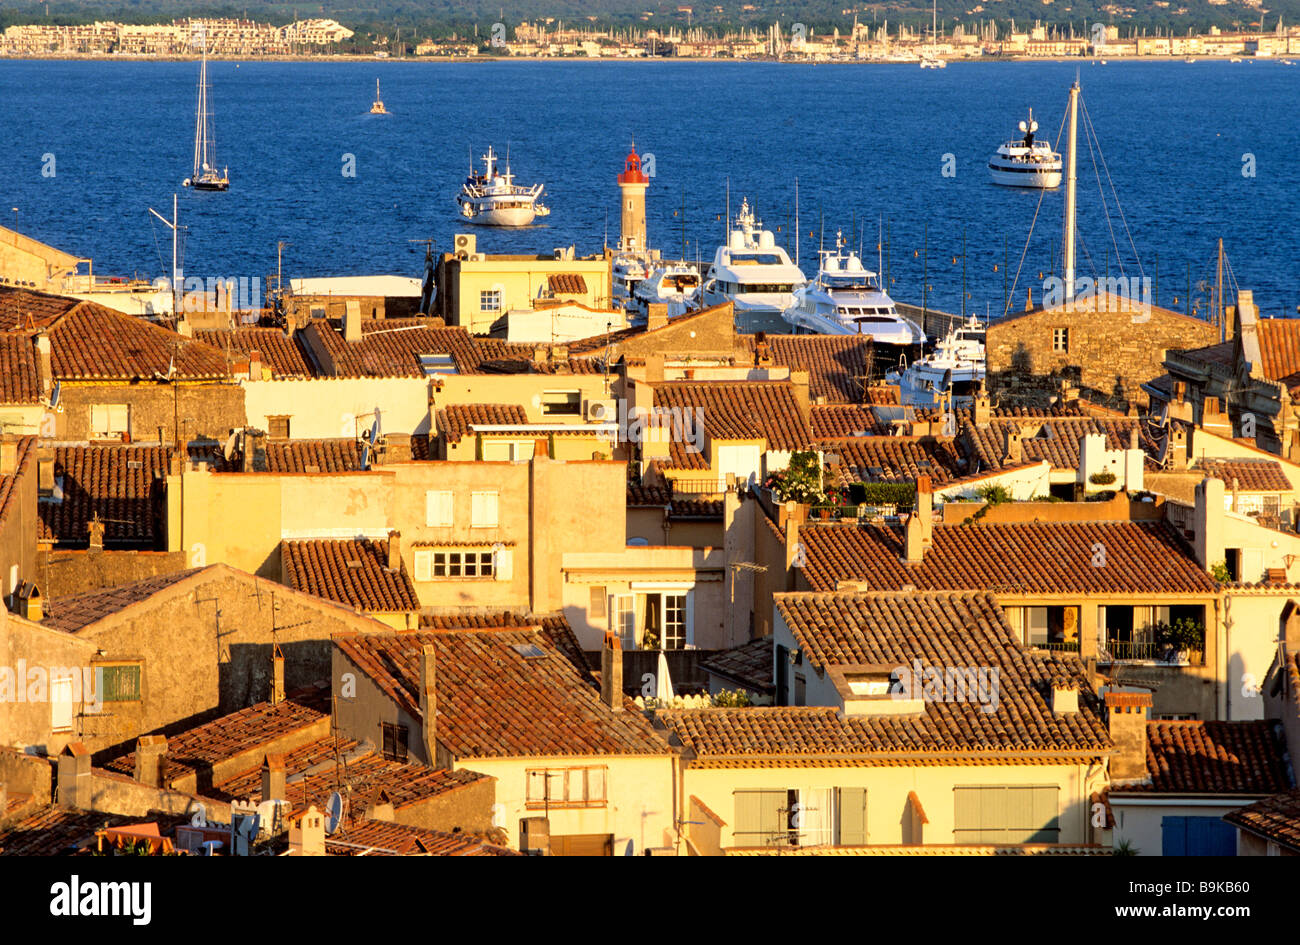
<point>852,804</point>
<point>120,683</point>
<point>759,820</point>
<point>1006,814</point>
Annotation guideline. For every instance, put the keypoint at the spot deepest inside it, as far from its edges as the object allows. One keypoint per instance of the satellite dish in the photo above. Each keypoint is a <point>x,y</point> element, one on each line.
<point>333,813</point>
<point>374,430</point>
<point>229,449</point>
<point>1023,126</point>
<point>1033,126</point>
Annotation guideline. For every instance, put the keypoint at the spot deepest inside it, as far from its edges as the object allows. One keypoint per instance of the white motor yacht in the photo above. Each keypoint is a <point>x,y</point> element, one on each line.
<point>846,298</point>
<point>494,199</point>
<point>753,273</point>
<point>676,285</point>
<point>956,366</point>
<point>1026,162</point>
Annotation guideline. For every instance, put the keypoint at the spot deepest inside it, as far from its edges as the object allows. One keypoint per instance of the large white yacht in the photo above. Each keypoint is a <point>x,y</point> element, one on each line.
<point>846,299</point>
<point>1026,162</point>
<point>753,273</point>
<point>676,285</point>
<point>956,366</point>
<point>494,199</point>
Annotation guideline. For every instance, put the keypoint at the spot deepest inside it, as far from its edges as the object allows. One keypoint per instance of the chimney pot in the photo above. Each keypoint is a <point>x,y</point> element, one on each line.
<point>1126,714</point>
<point>273,777</point>
<point>394,551</point>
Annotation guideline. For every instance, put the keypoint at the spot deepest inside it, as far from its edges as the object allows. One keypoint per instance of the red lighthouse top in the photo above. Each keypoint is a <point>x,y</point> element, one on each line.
<point>632,173</point>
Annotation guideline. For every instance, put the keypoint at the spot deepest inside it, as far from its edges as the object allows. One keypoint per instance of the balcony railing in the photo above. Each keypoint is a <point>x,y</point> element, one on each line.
<point>699,486</point>
<point>1130,650</point>
<point>1057,646</point>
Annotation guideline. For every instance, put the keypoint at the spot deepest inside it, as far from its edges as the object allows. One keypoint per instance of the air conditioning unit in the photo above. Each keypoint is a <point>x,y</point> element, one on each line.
<point>475,257</point>
<point>466,244</point>
<point>600,411</point>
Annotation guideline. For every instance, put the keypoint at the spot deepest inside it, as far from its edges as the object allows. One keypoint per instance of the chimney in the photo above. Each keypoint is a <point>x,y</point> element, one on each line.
<point>394,551</point>
<point>252,441</point>
<point>75,788</point>
<point>656,315</point>
<point>1126,714</point>
<point>307,834</point>
<point>1013,451</point>
<point>273,778</point>
<point>1065,696</point>
<point>33,608</point>
<point>95,529</point>
<point>397,448</point>
<point>925,508</point>
<point>352,321</point>
<point>45,372</point>
<point>983,411</point>
<point>1207,522</point>
<point>277,675</point>
<point>254,365</point>
<point>1134,440</point>
<point>654,368</point>
<point>8,457</point>
<point>799,387</point>
<point>151,760</point>
<point>913,540</point>
<point>611,673</point>
<point>762,350</point>
<point>429,702</point>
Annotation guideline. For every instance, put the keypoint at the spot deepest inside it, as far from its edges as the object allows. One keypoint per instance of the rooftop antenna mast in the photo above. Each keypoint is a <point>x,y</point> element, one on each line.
<point>174,226</point>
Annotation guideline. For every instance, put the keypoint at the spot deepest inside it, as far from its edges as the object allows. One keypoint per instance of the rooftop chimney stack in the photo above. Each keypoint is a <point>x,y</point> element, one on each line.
<point>352,321</point>
<point>151,760</point>
<point>611,673</point>
<point>1065,696</point>
<point>307,834</point>
<point>95,532</point>
<point>75,787</point>
<point>983,411</point>
<point>1013,451</point>
<point>44,371</point>
<point>273,778</point>
<point>1126,714</point>
<point>394,551</point>
<point>429,701</point>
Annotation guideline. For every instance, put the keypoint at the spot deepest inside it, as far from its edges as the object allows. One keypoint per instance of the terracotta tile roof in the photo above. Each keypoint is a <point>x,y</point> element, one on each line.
<point>201,747</point>
<point>278,351</point>
<point>1252,475</point>
<point>455,420</point>
<point>750,410</point>
<point>950,630</point>
<point>838,366</point>
<point>53,831</point>
<point>24,310</point>
<point>1219,353</point>
<point>9,484</point>
<point>498,356</point>
<point>832,421</point>
<point>749,664</point>
<point>313,456</point>
<point>352,572</point>
<point>894,459</point>
<point>117,481</point>
<point>392,347</point>
<point>554,627</point>
<point>1279,350</point>
<point>1277,818</point>
<point>19,382</point>
<point>1030,557</point>
<point>319,767</point>
<point>643,497</point>
<point>92,342</point>
<point>1213,758</point>
<point>77,611</point>
<point>1054,439</point>
<point>567,283</point>
<point>493,701</point>
<point>381,838</point>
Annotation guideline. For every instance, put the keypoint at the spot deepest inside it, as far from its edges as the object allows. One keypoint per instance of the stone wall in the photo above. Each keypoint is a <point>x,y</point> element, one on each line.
<point>61,573</point>
<point>203,410</point>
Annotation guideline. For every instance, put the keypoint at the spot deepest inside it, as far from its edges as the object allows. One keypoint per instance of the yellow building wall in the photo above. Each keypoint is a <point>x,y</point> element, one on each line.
<point>887,790</point>
<point>520,281</point>
<point>639,810</point>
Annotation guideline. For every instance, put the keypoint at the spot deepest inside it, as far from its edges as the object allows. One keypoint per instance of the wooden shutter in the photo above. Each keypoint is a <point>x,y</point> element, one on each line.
<point>759,818</point>
<point>438,509</point>
<point>852,804</point>
<point>503,564</point>
<point>423,565</point>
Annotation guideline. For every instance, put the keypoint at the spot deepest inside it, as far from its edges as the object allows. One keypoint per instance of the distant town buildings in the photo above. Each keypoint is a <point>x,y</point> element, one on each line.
<point>180,37</point>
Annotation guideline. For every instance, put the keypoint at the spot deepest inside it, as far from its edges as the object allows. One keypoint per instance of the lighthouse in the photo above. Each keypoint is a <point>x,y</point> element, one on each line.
<point>632,184</point>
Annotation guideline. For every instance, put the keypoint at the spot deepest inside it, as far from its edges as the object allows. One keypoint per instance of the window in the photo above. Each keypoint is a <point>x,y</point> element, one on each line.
<point>596,609</point>
<point>483,510</point>
<point>658,619</point>
<point>674,621</point>
<point>394,741</point>
<point>507,450</point>
<point>119,683</point>
<point>622,621</point>
<point>557,403</point>
<point>108,420</point>
<point>1060,339</point>
<point>1006,814</point>
<point>437,509</point>
<point>801,817</point>
<point>444,563</point>
<point>489,300</point>
<point>566,787</point>
<point>278,427</point>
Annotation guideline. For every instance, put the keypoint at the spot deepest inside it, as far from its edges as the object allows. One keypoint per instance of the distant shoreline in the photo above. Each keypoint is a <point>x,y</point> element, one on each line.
<point>105,57</point>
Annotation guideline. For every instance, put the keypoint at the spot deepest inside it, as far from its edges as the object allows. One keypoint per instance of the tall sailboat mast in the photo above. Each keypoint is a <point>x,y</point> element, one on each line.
<point>1071,181</point>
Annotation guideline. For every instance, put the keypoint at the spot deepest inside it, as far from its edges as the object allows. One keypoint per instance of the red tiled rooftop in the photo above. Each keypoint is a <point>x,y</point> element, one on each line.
<point>754,410</point>
<point>455,420</point>
<point>276,350</point>
<point>833,421</point>
<point>392,347</point>
<point>1275,818</point>
<point>313,456</point>
<point>1252,475</point>
<point>493,701</point>
<point>377,837</point>
<point>352,572</point>
<point>78,611</point>
<point>19,382</point>
<point>1030,558</point>
<point>750,664</point>
<point>838,366</point>
<point>118,482</point>
<point>1214,758</point>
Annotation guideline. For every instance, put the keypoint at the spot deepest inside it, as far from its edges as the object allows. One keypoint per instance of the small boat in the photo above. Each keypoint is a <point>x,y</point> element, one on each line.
<point>751,272</point>
<point>930,59</point>
<point>494,199</point>
<point>1189,59</point>
<point>627,271</point>
<point>377,108</point>
<point>1026,163</point>
<point>676,285</point>
<point>205,175</point>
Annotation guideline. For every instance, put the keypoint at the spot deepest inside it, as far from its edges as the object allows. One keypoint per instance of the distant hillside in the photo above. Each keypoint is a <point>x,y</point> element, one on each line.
<point>443,17</point>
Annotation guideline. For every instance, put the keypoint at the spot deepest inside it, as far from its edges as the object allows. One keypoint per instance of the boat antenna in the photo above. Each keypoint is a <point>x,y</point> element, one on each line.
<point>821,240</point>
<point>880,250</point>
<point>797,234</point>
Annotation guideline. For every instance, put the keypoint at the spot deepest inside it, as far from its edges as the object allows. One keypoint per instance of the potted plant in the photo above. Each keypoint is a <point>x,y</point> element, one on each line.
<point>1180,638</point>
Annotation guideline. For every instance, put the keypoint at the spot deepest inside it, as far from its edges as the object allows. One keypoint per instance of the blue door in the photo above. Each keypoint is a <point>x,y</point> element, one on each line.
<point>1197,836</point>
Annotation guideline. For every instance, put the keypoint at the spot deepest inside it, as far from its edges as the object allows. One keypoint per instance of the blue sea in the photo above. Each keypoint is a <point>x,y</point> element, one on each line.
<point>869,145</point>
